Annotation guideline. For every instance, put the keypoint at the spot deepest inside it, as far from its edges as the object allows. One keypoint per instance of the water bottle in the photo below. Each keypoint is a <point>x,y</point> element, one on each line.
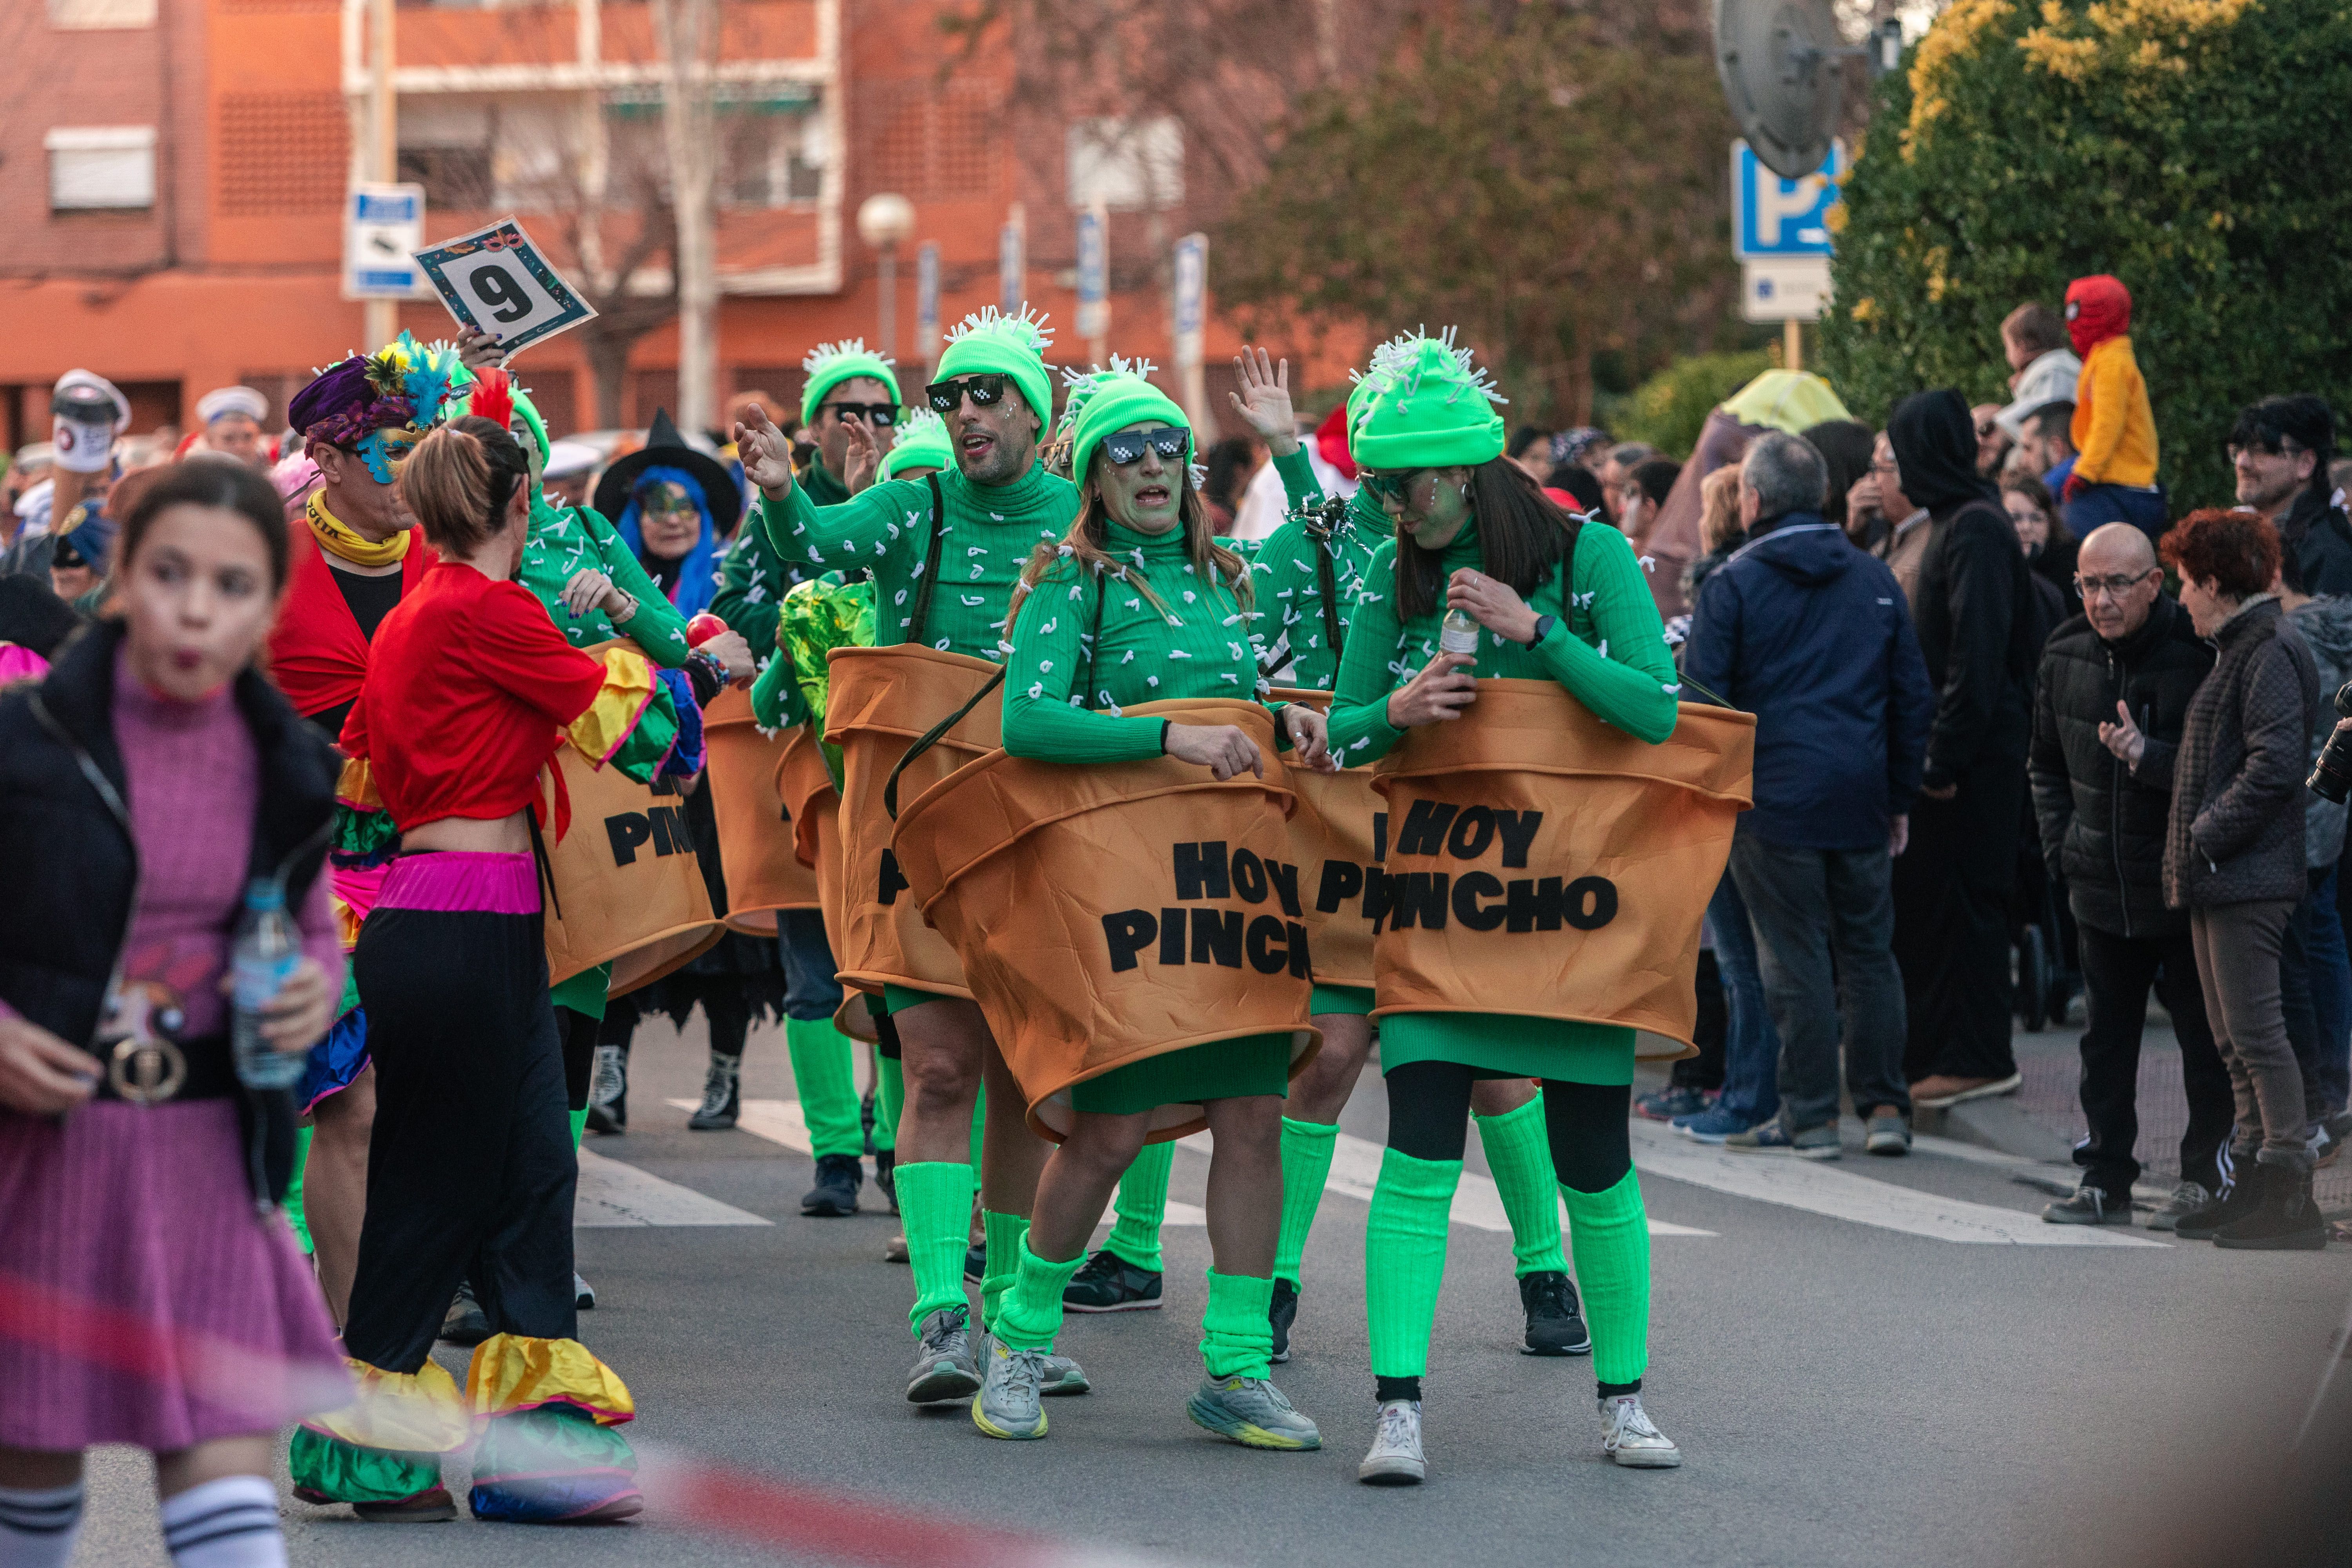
<point>264,958</point>
<point>1459,634</point>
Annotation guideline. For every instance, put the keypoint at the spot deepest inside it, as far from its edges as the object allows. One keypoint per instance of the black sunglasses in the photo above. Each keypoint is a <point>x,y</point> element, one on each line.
<point>983,390</point>
<point>1394,483</point>
<point>1126,447</point>
<point>884,415</point>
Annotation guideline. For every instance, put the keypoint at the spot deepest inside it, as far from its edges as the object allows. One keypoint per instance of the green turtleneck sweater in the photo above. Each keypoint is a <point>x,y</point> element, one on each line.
<point>564,541</point>
<point>1200,646</point>
<point>990,532</point>
<point>1607,647</point>
<point>1290,578</point>
<point>755,578</point>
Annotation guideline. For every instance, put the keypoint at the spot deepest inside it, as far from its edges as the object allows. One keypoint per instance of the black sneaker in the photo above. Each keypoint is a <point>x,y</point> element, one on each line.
<point>1281,1313</point>
<point>1555,1317</point>
<point>885,1175</point>
<point>722,1095</point>
<point>1109,1283</point>
<point>975,1262</point>
<point>465,1323</point>
<point>838,1177</point>
<point>2089,1205</point>
<point>2243,1198</point>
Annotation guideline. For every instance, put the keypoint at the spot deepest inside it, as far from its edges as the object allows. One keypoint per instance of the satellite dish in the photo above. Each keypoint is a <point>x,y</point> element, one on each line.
<point>1779,61</point>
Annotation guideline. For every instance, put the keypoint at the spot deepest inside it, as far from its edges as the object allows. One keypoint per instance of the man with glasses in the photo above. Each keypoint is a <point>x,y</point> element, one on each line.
<point>946,552</point>
<point>2282,448</point>
<point>1905,544</point>
<point>2110,702</point>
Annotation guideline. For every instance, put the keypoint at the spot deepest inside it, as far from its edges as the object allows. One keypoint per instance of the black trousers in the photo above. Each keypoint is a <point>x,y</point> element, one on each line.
<point>1705,1070</point>
<point>470,1167</point>
<point>1952,889</point>
<point>1585,1123</point>
<point>2117,974</point>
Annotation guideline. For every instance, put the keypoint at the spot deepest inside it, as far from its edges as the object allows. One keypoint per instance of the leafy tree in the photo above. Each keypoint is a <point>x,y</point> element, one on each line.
<point>1550,192</point>
<point>2192,147</point>
<point>1669,409</point>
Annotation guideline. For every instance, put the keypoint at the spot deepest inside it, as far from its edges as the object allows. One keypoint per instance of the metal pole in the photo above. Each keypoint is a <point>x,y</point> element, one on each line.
<point>888,308</point>
<point>1793,344</point>
<point>384,150</point>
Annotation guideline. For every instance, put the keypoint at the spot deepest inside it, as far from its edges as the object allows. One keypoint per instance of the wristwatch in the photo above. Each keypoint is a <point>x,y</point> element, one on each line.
<point>1543,628</point>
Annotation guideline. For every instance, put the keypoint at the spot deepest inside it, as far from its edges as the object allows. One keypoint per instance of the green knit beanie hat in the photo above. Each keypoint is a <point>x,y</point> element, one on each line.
<point>830,364</point>
<point>922,444</point>
<point>1104,401</point>
<point>988,340</point>
<point>1424,406</point>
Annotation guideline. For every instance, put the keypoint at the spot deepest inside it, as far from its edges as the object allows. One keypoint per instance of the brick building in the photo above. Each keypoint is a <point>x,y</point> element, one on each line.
<point>175,172</point>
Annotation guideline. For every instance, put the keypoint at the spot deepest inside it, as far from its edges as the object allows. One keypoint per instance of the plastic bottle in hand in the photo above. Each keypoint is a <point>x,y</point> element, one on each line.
<point>1459,634</point>
<point>264,958</point>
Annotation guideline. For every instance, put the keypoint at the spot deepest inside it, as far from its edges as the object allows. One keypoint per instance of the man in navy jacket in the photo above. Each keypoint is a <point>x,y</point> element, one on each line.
<point>1812,635</point>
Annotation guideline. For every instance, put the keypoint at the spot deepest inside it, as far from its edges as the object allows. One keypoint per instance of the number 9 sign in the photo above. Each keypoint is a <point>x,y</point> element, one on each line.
<point>495,280</point>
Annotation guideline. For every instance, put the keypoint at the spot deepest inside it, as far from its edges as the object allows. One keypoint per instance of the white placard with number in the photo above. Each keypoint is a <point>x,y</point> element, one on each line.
<point>497,281</point>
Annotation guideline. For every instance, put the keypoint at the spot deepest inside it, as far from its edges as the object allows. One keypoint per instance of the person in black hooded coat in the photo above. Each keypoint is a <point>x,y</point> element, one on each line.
<point>1980,628</point>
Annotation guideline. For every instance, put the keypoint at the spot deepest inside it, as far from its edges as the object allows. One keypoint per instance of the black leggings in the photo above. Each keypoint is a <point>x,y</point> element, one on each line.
<point>1429,1110</point>
<point>578,1033</point>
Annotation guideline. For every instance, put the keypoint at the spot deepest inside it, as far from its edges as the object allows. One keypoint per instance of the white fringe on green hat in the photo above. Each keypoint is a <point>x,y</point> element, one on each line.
<point>1424,403</point>
<point>830,364</point>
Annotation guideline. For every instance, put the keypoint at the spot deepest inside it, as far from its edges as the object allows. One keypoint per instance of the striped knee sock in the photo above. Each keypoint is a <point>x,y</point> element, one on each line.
<point>229,1523</point>
<point>827,1086</point>
<point>1031,1313</point>
<point>40,1525</point>
<point>935,1203</point>
<point>1004,1238</point>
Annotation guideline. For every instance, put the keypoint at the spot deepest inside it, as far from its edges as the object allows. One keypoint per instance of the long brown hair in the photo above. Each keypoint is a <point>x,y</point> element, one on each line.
<point>1522,534</point>
<point>1088,545</point>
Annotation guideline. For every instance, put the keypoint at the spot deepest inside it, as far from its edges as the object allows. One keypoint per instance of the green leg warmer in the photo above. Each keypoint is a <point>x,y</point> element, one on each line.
<point>1006,1236</point>
<point>827,1084</point>
<point>1610,1234</point>
<point>886,1114</point>
<point>1306,1150</point>
<point>1405,1259</point>
<point>979,1123</point>
<point>1141,1204</point>
<point>579,1125</point>
<point>295,1217</point>
<point>1031,1313</point>
<point>935,1203</point>
<point>889,1097</point>
<point>1520,1157</point>
<point>1236,1340</point>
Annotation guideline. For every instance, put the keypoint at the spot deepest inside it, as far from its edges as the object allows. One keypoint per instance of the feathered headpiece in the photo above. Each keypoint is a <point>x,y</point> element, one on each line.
<point>381,404</point>
<point>492,397</point>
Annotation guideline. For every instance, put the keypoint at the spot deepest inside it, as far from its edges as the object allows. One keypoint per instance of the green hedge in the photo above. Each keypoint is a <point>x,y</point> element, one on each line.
<point>2193,148</point>
<point>1670,408</point>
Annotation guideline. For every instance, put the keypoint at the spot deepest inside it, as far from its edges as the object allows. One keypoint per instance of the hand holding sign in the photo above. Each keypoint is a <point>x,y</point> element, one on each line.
<point>495,282</point>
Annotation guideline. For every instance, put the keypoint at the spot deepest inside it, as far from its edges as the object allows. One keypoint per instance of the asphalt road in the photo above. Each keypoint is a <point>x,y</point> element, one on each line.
<point>1857,1368</point>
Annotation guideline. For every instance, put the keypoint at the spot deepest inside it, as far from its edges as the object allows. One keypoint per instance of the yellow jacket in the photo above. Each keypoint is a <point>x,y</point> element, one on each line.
<point>2115,428</point>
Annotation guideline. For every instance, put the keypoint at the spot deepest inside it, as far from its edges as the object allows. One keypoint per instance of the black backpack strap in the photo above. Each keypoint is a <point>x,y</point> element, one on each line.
<point>922,617</point>
<point>929,738</point>
<point>1329,592</point>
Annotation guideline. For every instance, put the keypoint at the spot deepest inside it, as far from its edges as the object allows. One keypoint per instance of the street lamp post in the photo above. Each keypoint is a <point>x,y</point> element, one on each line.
<point>886,220</point>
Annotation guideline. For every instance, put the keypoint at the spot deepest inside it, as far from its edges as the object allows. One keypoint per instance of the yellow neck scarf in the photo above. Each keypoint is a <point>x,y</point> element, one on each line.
<point>337,540</point>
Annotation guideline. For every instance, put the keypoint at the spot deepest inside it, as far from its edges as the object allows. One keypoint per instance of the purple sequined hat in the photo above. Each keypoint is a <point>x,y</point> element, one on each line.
<point>342,388</point>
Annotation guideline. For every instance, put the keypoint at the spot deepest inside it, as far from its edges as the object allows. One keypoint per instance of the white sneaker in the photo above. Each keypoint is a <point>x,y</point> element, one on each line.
<point>1629,1437</point>
<point>1395,1458</point>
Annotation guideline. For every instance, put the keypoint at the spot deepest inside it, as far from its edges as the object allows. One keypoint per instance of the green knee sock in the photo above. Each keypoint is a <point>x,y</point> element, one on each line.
<point>1141,1204</point>
<point>890,1098</point>
<point>295,1218</point>
<point>1031,1313</point>
<point>827,1084</point>
<point>935,1203</point>
<point>1610,1234</point>
<point>1405,1259</point>
<point>885,1115</point>
<point>1005,1235</point>
<point>1520,1157</point>
<point>579,1125</point>
<point>1307,1150</point>
<point>1236,1340</point>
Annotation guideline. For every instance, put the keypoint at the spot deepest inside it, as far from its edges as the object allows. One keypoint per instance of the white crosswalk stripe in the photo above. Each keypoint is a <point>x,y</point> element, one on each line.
<point>613,1193</point>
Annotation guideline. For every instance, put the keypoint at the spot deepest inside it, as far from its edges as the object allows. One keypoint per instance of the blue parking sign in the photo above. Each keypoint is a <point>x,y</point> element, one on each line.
<point>1775,217</point>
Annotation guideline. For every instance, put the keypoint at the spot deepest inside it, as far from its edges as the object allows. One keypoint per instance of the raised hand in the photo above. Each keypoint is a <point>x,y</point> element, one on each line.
<point>477,349</point>
<point>766,454</point>
<point>1264,401</point>
<point>865,459</point>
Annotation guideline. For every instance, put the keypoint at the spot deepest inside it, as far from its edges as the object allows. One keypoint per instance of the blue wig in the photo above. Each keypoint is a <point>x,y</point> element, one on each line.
<point>697,574</point>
